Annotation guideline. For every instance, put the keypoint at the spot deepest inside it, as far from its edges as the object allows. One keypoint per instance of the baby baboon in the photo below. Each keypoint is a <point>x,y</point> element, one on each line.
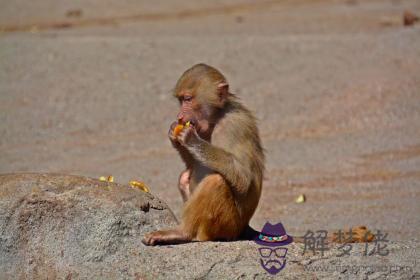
<point>224,160</point>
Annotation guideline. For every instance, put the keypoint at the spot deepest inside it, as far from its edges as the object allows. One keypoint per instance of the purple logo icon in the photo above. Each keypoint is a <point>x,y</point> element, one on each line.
<point>271,238</point>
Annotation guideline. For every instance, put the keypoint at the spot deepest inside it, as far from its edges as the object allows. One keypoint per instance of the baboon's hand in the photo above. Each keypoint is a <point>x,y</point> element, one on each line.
<point>171,135</point>
<point>187,136</point>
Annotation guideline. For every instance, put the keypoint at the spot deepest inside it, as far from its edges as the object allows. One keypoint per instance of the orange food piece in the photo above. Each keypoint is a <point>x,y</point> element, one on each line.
<point>178,129</point>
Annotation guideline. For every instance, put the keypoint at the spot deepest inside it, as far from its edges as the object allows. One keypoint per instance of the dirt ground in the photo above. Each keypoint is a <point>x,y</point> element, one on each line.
<point>85,89</point>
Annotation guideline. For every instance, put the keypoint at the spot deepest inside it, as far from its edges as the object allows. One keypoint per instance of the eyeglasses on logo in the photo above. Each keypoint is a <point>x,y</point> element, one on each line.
<point>272,253</point>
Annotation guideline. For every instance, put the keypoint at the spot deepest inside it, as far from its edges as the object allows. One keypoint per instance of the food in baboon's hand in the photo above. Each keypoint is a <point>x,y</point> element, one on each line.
<point>179,128</point>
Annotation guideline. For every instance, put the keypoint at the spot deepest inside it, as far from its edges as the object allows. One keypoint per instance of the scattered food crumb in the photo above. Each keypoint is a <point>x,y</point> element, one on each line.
<point>109,178</point>
<point>300,199</point>
<point>354,235</point>
<point>409,18</point>
<point>133,183</point>
<point>139,185</point>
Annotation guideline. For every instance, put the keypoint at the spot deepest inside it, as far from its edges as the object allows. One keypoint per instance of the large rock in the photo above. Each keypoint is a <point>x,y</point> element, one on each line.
<point>56,225</point>
<point>68,227</point>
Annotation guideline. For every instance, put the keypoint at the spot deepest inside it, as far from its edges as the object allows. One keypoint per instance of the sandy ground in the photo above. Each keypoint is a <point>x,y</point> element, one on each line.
<point>335,85</point>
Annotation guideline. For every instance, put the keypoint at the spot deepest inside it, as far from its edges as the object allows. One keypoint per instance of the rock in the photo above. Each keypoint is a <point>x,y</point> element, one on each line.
<point>69,227</point>
<point>54,226</point>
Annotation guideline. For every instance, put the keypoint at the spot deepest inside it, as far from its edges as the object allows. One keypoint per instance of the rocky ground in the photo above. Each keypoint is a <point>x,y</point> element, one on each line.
<point>70,227</point>
<point>85,89</point>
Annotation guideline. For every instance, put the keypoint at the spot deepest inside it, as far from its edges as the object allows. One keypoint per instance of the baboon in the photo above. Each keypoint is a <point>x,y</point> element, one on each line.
<point>224,160</point>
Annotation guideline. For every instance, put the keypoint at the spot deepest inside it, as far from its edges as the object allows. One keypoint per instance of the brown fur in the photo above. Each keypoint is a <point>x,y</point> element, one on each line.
<point>224,159</point>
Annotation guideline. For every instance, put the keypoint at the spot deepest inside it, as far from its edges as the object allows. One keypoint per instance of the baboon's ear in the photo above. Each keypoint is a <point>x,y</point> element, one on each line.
<point>223,91</point>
